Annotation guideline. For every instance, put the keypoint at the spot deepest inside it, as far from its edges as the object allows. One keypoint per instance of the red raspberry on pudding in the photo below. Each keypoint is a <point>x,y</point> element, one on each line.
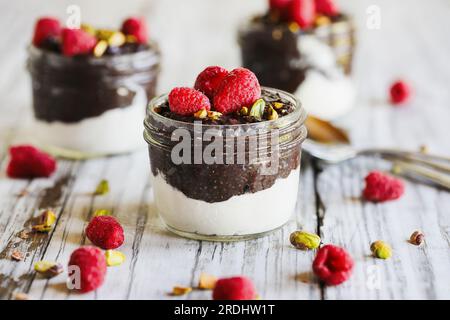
<point>238,89</point>
<point>303,12</point>
<point>400,92</point>
<point>45,28</point>
<point>105,232</point>
<point>91,262</point>
<point>235,288</point>
<point>381,187</point>
<point>333,265</point>
<point>186,101</point>
<point>29,162</point>
<point>327,7</point>
<point>77,42</point>
<point>209,80</point>
<point>136,27</point>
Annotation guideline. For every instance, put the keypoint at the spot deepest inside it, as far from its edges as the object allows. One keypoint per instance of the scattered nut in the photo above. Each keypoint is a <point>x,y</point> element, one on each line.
<point>24,234</point>
<point>257,109</point>
<point>201,114</point>
<point>180,291</point>
<point>273,115</point>
<point>101,212</point>
<point>417,238</point>
<point>102,188</point>
<point>20,296</point>
<point>17,255</point>
<point>214,115</point>
<point>277,105</point>
<point>116,39</point>
<point>277,34</point>
<point>100,48</point>
<point>45,221</point>
<point>48,269</point>
<point>207,281</point>
<point>114,258</point>
<point>322,21</point>
<point>304,240</point>
<point>294,27</point>
<point>381,249</point>
<point>423,149</point>
<point>130,38</point>
<point>243,111</point>
<point>88,28</point>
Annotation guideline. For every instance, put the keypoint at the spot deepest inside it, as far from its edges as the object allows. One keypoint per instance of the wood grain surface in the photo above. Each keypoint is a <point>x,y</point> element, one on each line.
<point>412,43</point>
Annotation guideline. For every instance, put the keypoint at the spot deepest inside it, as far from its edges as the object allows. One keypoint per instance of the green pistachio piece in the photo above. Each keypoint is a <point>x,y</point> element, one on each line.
<point>257,109</point>
<point>304,240</point>
<point>114,258</point>
<point>381,249</point>
<point>102,188</point>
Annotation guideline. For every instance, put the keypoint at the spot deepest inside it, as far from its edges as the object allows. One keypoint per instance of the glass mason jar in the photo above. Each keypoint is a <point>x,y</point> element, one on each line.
<point>225,182</point>
<point>87,106</point>
<point>313,64</point>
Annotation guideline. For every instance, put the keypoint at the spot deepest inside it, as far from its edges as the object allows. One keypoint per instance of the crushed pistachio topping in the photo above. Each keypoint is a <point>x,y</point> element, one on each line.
<point>201,114</point>
<point>114,258</point>
<point>102,188</point>
<point>257,109</point>
<point>46,221</point>
<point>180,291</point>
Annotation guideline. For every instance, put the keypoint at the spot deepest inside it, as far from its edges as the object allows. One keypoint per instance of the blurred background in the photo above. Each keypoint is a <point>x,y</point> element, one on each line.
<point>412,43</point>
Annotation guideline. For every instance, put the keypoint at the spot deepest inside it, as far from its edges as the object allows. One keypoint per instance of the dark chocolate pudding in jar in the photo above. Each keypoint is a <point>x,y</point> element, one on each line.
<point>90,87</point>
<point>305,47</point>
<point>225,156</point>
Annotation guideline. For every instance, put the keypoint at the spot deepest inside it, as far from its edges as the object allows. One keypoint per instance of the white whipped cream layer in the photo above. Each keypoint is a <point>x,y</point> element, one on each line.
<point>246,214</point>
<point>114,131</point>
<point>325,96</point>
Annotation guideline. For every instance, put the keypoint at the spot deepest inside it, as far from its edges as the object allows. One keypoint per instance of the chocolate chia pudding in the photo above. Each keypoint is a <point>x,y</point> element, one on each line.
<point>311,59</point>
<point>254,161</point>
<point>90,87</point>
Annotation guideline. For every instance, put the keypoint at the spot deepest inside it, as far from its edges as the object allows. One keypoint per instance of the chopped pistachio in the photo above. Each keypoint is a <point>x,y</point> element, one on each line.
<point>46,221</point>
<point>102,188</point>
<point>17,255</point>
<point>179,291</point>
<point>277,34</point>
<point>322,21</point>
<point>201,114</point>
<point>89,29</point>
<point>277,105</point>
<point>100,48</point>
<point>104,34</point>
<point>294,27</point>
<point>114,258</point>
<point>130,38</point>
<point>116,39</point>
<point>273,115</point>
<point>207,281</point>
<point>214,115</point>
<point>257,109</point>
<point>244,111</point>
<point>48,269</point>
<point>101,212</point>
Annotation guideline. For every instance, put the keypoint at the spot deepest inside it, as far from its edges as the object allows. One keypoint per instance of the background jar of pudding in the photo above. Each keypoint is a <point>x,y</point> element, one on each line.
<point>245,192</point>
<point>86,106</point>
<point>314,64</point>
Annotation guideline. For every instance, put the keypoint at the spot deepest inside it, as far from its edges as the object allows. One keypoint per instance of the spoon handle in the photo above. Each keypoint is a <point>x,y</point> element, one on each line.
<point>430,175</point>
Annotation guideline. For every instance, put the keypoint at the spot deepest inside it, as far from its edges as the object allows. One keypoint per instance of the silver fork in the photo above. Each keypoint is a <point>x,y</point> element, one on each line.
<point>432,168</point>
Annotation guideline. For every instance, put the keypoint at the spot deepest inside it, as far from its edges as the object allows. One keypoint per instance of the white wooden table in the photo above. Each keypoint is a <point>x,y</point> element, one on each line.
<point>412,43</point>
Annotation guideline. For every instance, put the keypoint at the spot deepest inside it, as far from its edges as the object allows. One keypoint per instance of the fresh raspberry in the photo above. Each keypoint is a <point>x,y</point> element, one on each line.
<point>77,41</point>
<point>105,232</point>
<point>381,187</point>
<point>236,288</point>
<point>46,27</point>
<point>136,27</point>
<point>327,7</point>
<point>333,265</point>
<point>187,101</point>
<point>29,162</point>
<point>279,5</point>
<point>209,79</point>
<point>92,264</point>
<point>303,12</point>
<point>400,92</point>
<point>238,89</point>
